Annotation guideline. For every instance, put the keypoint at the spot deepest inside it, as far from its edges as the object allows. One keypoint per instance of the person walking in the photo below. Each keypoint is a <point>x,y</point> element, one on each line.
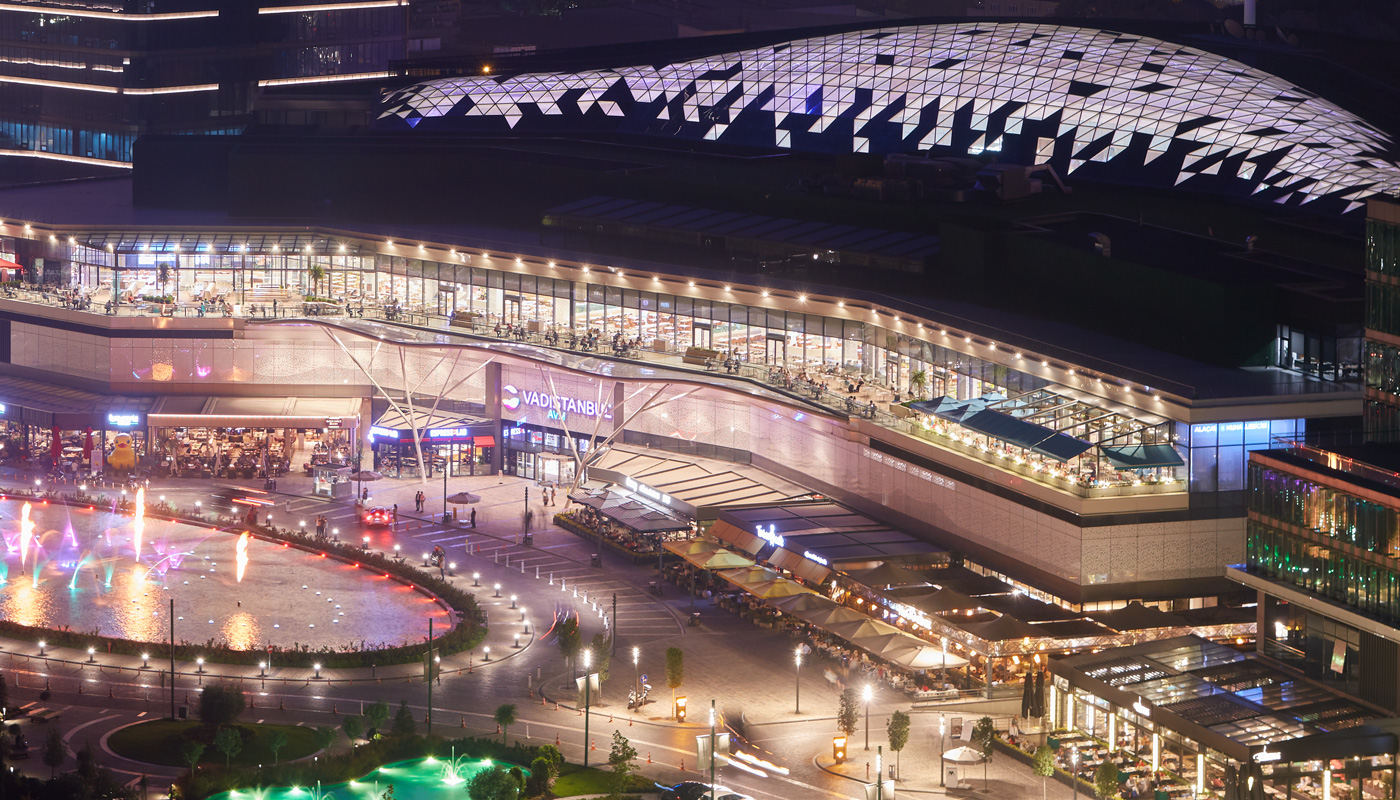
<point>396,513</point>
<point>473,518</point>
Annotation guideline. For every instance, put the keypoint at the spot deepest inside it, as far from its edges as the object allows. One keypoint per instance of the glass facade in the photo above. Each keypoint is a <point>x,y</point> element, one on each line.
<point>1381,413</point>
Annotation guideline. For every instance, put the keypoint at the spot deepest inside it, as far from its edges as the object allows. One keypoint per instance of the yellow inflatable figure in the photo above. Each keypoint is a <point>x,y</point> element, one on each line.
<point>124,455</point>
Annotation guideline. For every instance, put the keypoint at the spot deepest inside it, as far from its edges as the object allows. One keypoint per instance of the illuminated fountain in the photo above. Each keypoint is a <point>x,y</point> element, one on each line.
<point>90,570</point>
<point>457,770</point>
<point>420,779</point>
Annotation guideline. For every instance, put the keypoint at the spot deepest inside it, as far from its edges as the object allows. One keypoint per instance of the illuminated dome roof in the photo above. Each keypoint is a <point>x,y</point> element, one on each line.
<point>1098,103</point>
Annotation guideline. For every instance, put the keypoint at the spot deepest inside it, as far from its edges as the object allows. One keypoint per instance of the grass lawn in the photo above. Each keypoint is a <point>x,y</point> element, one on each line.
<point>574,779</point>
<point>159,741</point>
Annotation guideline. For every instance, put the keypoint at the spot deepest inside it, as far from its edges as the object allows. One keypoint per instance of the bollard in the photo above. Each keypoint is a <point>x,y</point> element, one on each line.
<point>281,706</point>
<point>80,687</point>
<point>109,692</point>
<point>682,765</point>
<point>542,698</point>
<point>498,728</point>
<point>648,756</point>
<point>610,719</point>
<point>556,705</point>
<point>464,722</point>
<point>333,709</point>
<point>556,740</point>
<point>252,701</point>
<point>592,744</point>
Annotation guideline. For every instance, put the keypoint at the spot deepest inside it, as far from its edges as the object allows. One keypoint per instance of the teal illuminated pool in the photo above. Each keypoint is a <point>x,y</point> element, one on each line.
<point>419,779</point>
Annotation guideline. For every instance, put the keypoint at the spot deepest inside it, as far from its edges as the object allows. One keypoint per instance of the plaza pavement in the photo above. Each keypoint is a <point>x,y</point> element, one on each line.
<point>748,671</point>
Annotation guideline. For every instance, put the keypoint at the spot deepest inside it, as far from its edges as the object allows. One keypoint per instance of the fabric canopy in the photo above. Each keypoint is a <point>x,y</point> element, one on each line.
<point>1061,447</point>
<point>834,616</point>
<point>1136,617</point>
<point>924,656</point>
<point>720,559</point>
<point>747,575</point>
<point>1020,433</point>
<point>780,587</point>
<point>691,547</point>
<point>937,602</point>
<point>886,574</point>
<point>964,755</point>
<point>805,605</point>
<point>1002,629</point>
<point>881,644</point>
<point>851,631</point>
<point>1143,456</point>
<point>737,537</point>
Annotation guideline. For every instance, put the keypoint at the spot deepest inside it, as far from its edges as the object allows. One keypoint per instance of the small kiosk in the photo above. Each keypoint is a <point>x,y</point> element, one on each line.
<point>331,480</point>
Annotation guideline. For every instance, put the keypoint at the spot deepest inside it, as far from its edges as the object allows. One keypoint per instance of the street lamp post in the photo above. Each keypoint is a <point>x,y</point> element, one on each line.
<point>797,681</point>
<point>1074,773</point>
<point>868,694</point>
<point>587,698</point>
<point>879,776</point>
<point>637,674</point>
<point>713,756</point>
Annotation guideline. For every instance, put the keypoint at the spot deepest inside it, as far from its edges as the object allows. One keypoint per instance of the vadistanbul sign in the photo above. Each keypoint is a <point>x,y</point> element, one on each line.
<point>558,406</point>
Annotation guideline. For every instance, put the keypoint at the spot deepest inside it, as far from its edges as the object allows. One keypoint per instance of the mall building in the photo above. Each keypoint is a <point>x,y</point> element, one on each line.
<point>1084,466</point>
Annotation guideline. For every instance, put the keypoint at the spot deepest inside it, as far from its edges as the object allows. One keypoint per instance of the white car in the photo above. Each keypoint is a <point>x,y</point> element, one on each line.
<point>695,790</point>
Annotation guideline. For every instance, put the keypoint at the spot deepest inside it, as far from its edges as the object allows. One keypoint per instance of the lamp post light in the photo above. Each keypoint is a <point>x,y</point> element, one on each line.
<point>527,627</point>
<point>637,672</point>
<point>517,640</point>
<point>869,693</point>
<point>1074,773</point>
<point>486,653</point>
<point>522,613</point>
<point>317,667</point>
<point>476,579</point>
<point>452,569</point>
<point>42,645</point>
<point>587,701</point>
<point>512,601</point>
<point>797,681</point>
<point>262,669</point>
<point>145,660</point>
<point>199,665</point>
<point>498,590</point>
<point>92,655</point>
<point>713,756</point>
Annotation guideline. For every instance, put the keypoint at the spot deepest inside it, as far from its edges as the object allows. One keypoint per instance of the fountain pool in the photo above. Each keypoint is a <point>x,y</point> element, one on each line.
<point>74,568</point>
<point>420,779</point>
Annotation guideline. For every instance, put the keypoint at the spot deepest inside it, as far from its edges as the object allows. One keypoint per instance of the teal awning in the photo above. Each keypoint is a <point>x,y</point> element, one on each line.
<point>1019,433</point>
<point>1143,456</point>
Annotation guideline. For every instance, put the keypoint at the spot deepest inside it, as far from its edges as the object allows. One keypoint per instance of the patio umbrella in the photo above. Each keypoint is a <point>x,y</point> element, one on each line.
<point>836,614</point>
<point>850,631</point>
<point>365,475</point>
<point>964,755</point>
<point>722,559</point>
<point>882,642</point>
<point>1038,699</point>
<point>463,498</point>
<point>925,657</point>
<point>87,444</point>
<point>808,606</point>
<point>1027,697</point>
<point>692,547</point>
<point>56,444</point>
<point>779,588</point>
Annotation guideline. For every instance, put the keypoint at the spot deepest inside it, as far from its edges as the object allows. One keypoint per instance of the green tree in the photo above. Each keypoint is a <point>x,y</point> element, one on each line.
<point>1106,779</point>
<point>601,647</point>
<point>898,731</point>
<point>354,728</point>
<point>317,273</point>
<point>404,724</point>
<point>984,734</point>
<point>1043,764</point>
<point>220,705</point>
<point>54,751</point>
<point>620,758</point>
<point>556,758</point>
<point>570,642</point>
<point>917,382</point>
<point>493,783</point>
<point>378,714</point>
<point>276,740</point>
<point>86,764</point>
<point>848,716</point>
<point>229,742</point>
<point>192,751</point>
<point>675,672</point>
<point>162,276</point>
<point>325,737</point>
<point>388,793</point>
<point>505,717</point>
<point>541,777</point>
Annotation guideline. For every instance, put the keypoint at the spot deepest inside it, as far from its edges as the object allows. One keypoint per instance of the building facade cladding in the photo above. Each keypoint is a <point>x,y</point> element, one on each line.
<point>86,84</point>
<point>1381,416</point>
<point>1320,536</point>
<point>1117,106</point>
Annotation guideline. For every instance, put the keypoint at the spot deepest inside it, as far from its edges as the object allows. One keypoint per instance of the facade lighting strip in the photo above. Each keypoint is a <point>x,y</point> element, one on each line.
<point>82,87</point>
<point>114,15</point>
<point>99,162</point>
<point>330,7</point>
<point>199,87</point>
<point>357,76</point>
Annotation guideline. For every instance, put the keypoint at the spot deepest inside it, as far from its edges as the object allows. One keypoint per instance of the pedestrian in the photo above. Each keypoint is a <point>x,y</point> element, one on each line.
<point>364,495</point>
<point>473,518</point>
<point>396,512</point>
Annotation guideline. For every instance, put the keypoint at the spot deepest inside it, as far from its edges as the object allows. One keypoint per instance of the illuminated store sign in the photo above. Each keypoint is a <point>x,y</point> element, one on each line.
<point>387,433</point>
<point>1142,710</point>
<point>649,493</point>
<point>769,535</point>
<point>558,406</point>
<point>449,433</point>
<point>912,614</point>
<point>1267,755</point>
<point>120,420</point>
<point>808,554</point>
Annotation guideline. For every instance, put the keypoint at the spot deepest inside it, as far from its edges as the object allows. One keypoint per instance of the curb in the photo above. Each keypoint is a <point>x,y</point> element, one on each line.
<point>833,772</point>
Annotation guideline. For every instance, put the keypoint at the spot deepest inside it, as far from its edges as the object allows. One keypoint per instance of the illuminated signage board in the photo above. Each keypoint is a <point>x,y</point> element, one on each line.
<point>649,493</point>
<point>449,433</point>
<point>1142,710</point>
<point>769,535</point>
<point>1266,755</point>
<point>558,406</point>
<point>123,420</point>
<point>912,614</point>
<point>2,408</point>
<point>387,433</point>
<point>808,554</point>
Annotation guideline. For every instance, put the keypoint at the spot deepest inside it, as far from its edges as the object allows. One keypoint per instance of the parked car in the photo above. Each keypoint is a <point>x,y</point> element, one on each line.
<point>378,515</point>
<point>695,790</point>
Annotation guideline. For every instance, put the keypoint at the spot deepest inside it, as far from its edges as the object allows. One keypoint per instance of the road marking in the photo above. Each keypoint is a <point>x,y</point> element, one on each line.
<point>68,737</point>
<point>142,714</point>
